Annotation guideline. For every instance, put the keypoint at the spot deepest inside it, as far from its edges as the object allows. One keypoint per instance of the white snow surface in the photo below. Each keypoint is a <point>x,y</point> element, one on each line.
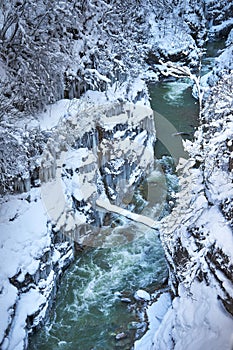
<point>28,304</point>
<point>132,216</point>
<point>82,185</point>
<point>155,313</point>
<point>218,229</point>
<point>25,219</point>
<point>93,100</point>
<point>142,295</point>
<point>22,238</point>
<point>196,321</point>
<point>176,40</point>
<point>219,27</point>
<point>53,114</point>
<point>22,242</point>
<point>115,92</point>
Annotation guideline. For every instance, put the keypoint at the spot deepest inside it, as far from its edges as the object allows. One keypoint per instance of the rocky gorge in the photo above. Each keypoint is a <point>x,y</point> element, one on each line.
<point>54,169</point>
<point>78,166</point>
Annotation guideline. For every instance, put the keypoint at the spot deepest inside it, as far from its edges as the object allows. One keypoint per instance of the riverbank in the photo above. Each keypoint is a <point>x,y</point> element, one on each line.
<point>77,166</point>
<point>197,236</point>
<point>29,282</point>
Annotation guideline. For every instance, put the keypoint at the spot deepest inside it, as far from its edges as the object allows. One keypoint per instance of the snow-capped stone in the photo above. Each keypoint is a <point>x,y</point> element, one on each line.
<point>142,295</point>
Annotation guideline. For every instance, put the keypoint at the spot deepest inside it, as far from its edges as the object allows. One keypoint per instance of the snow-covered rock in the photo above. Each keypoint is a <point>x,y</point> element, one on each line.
<point>142,295</point>
<point>102,151</point>
<point>197,235</point>
<point>155,314</point>
<point>196,321</point>
<point>82,149</point>
<point>31,262</point>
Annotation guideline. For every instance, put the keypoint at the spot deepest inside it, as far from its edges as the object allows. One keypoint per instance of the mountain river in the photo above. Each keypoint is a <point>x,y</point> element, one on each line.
<point>95,300</point>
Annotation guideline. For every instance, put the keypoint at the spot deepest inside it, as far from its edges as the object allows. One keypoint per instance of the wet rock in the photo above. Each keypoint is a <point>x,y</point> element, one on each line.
<point>126,300</point>
<point>121,336</point>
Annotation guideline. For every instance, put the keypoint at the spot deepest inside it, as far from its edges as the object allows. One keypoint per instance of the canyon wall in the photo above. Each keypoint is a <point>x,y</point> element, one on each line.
<point>100,152</point>
<point>197,235</point>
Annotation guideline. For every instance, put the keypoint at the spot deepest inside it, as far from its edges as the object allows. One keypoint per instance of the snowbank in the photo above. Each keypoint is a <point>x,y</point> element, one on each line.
<point>196,321</point>
<point>27,278</point>
<point>155,313</point>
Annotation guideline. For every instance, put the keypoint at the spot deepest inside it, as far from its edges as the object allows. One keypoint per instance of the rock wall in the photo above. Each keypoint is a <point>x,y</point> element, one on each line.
<point>197,236</point>
<point>206,186</point>
<point>62,170</point>
<point>101,152</point>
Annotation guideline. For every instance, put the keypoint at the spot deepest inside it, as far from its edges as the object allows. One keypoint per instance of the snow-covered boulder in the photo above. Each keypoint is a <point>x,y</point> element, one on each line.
<point>142,295</point>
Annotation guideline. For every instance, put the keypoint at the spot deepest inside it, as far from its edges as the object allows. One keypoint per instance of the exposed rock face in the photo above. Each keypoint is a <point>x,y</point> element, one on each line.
<point>81,159</point>
<point>219,17</point>
<point>32,261</point>
<point>112,155</point>
<point>100,152</point>
<point>197,236</point>
<point>207,193</point>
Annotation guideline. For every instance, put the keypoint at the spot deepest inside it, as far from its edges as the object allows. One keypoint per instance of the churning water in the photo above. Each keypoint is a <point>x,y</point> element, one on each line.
<point>88,312</point>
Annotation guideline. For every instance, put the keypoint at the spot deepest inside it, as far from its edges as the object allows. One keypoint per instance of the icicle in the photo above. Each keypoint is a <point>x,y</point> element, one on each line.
<point>94,143</point>
<point>27,184</point>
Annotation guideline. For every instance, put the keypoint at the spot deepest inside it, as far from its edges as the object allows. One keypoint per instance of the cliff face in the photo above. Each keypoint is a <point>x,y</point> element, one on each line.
<point>197,236</point>
<point>73,158</point>
<point>206,190</point>
<point>82,160</point>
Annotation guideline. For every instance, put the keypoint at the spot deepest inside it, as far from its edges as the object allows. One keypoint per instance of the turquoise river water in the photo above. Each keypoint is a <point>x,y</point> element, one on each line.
<point>88,312</point>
